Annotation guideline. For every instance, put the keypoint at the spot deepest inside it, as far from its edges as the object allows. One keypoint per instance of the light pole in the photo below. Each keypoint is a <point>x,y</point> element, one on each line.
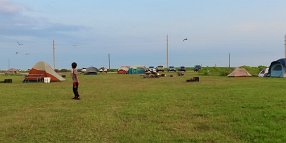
<point>8,64</point>
<point>229,60</point>
<point>167,54</point>
<point>285,47</point>
<point>167,51</point>
<point>54,57</point>
<point>108,61</point>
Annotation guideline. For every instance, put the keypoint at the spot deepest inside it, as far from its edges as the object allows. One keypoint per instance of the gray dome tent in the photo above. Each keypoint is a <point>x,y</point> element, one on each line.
<point>277,68</point>
<point>91,71</point>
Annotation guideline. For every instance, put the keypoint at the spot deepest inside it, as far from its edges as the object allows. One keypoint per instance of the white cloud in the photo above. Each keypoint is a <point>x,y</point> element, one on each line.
<point>10,8</point>
<point>259,27</point>
<point>248,27</point>
<point>14,23</point>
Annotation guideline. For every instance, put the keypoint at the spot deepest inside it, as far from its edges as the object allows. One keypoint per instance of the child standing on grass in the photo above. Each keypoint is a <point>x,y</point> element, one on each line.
<point>75,81</point>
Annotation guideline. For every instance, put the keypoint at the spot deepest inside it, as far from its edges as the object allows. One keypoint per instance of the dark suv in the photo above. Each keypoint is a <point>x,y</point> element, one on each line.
<point>197,68</point>
<point>182,69</point>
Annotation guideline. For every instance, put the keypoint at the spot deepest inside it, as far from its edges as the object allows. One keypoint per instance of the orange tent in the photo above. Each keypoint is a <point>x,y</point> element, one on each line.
<point>239,72</point>
<point>41,70</point>
<point>123,70</point>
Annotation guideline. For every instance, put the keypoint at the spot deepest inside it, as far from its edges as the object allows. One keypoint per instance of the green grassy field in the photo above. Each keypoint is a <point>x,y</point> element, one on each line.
<point>128,108</point>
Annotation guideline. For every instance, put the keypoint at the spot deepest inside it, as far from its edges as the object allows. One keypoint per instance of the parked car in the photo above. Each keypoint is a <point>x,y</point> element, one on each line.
<point>171,69</point>
<point>160,68</point>
<point>197,68</point>
<point>151,69</point>
<point>182,69</point>
<point>103,69</point>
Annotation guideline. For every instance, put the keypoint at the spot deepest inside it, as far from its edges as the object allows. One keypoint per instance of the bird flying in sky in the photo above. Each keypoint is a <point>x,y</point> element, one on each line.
<point>185,39</point>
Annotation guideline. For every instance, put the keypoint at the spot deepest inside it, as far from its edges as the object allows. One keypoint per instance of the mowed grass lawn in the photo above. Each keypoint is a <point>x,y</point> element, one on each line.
<point>128,108</point>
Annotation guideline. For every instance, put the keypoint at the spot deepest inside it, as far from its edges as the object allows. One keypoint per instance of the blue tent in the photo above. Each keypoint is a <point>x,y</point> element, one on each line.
<point>136,70</point>
<point>277,68</point>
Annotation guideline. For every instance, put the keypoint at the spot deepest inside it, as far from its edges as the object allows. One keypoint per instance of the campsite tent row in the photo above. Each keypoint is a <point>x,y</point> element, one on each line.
<point>131,70</point>
<point>276,69</point>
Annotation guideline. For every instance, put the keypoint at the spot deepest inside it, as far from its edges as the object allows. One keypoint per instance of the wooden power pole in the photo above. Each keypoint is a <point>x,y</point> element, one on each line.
<point>167,54</point>
<point>285,46</point>
<point>54,57</point>
<point>108,61</point>
<point>229,60</point>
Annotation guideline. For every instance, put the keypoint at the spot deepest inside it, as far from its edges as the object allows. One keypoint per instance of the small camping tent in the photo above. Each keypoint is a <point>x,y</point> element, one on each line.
<point>277,68</point>
<point>239,72</point>
<point>12,71</point>
<point>91,71</point>
<point>123,70</point>
<point>137,70</point>
<point>43,69</point>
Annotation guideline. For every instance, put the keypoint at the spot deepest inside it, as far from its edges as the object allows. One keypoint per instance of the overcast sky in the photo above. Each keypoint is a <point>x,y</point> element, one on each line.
<point>134,32</point>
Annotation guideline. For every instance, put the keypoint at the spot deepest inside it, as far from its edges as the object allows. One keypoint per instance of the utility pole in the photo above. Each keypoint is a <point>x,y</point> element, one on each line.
<point>8,64</point>
<point>54,57</point>
<point>167,54</point>
<point>229,60</point>
<point>108,61</point>
<point>285,46</point>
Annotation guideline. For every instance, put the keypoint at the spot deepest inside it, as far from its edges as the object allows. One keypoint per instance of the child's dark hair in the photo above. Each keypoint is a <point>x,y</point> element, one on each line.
<point>74,64</point>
